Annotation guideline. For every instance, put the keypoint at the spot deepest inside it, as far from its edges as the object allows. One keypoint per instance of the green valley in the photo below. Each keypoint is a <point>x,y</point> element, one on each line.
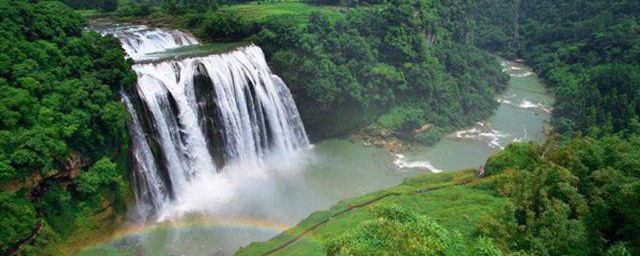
<point>213,127</point>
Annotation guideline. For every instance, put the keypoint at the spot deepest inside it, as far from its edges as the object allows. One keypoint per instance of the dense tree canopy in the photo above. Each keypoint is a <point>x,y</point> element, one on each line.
<point>588,51</point>
<point>410,61</point>
<point>103,5</point>
<point>59,113</point>
<point>578,197</point>
<point>572,196</point>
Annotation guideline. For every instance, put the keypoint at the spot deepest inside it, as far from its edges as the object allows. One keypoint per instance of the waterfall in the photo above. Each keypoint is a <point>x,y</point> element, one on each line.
<point>138,41</point>
<point>191,117</point>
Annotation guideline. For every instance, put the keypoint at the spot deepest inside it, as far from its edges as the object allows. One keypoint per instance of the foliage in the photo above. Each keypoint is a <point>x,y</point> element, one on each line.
<point>17,219</point>
<point>430,136</point>
<point>518,156</point>
<point>486,247</point>
<point>221,25</point>
<point>185,6</point>
<point>587,51</point>
<point>135,9</point>
<point>575,197</point>
<point>103,5</point>
<point>395,231</point>
<point>406,59</point>
<point>101,181</point>
<point>60,112</point>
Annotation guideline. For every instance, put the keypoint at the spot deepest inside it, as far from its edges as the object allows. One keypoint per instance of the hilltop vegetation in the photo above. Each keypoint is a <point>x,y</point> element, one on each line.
<point>61,122</point>
<point>578,197</point>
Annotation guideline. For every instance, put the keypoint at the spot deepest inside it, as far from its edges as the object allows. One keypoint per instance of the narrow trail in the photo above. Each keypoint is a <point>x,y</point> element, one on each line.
<point>351,207</point>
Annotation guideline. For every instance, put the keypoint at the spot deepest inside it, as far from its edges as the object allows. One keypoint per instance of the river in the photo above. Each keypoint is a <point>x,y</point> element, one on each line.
<point>250,203</point>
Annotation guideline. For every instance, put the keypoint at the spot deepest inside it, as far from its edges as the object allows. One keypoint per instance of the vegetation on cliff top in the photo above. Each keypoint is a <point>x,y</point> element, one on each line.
<point>61,122</point>
<point>424,205</point>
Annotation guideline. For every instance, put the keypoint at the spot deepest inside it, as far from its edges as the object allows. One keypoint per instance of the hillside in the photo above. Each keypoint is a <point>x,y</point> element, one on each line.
<point>63,140</point>
<point>453,200</point>
<point>560,198</point>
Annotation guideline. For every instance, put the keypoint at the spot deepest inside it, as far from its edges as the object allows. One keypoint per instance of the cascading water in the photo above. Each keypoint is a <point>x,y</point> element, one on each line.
<point>192,117</point>
<point>138,41</point>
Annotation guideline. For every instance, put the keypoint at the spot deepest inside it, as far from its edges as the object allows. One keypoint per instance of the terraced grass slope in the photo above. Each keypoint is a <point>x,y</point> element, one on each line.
<point>297,11</point>
<point>451,199</point>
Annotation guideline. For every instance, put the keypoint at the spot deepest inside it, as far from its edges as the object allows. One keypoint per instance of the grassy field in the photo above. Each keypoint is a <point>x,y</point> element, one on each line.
<point>446,199</point>
<point>297,11</point>
<point>88,13</point>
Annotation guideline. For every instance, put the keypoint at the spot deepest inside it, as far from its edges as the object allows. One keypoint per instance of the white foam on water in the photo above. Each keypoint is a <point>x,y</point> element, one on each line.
<point>524,135</point>
<point>513,70</point>
<point>521,75</point>
<point>491,136</point>
<point>401,162</point>
<point>504,101</point>
<point>140,40</point>
<point>525,104</point>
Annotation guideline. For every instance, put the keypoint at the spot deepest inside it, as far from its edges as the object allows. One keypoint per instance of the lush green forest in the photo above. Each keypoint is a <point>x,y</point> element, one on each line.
<point>578,197</point>
<point>61,126</point>
<point>587,51</point>
<point>394,67</point>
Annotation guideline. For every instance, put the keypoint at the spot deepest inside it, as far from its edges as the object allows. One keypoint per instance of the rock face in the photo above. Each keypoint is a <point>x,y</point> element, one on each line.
<point>381,139</point>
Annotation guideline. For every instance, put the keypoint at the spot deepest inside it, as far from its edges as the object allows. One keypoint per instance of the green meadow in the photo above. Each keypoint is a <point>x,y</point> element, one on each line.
<point>297,11</point>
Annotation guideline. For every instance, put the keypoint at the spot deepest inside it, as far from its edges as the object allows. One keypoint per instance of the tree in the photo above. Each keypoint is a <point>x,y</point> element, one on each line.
<point>17,219</point>
<point>567,197</point>
<point>395,231</point>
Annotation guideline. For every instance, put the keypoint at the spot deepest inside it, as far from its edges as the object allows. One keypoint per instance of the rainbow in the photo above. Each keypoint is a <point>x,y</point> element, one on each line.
<point>241,224</point>
<point>202,222</point>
